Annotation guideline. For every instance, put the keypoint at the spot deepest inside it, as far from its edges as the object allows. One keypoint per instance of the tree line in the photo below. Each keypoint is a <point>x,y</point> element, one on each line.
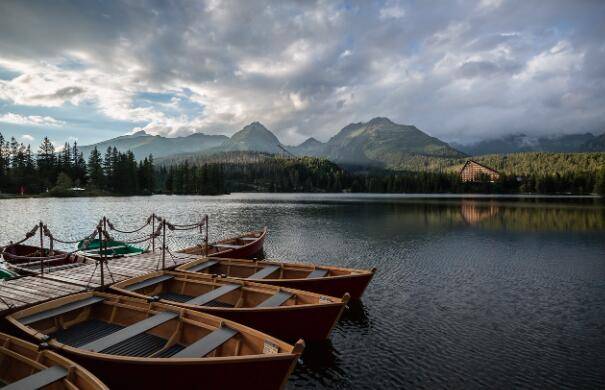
<point>66,171</point>
<point>258,172</point>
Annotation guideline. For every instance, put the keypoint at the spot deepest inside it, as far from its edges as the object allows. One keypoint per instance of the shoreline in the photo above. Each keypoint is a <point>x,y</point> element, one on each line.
<point>410,195</point>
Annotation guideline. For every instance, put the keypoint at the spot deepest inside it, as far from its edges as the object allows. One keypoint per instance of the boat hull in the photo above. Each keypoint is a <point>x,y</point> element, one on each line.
<point>288,323</point>
<point>336,286</point>
<point>247,250</point>
<point>270,373</point>
<point>18,258</point>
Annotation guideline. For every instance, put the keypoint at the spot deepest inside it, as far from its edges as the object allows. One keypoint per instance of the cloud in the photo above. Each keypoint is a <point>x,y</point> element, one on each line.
<point>27,138</point>
<point>392,10</point>
<point>30,120</point>
<point>458,70</point>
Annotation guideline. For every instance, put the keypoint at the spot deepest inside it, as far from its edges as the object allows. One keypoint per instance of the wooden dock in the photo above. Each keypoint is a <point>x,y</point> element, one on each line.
<point>31,290</point>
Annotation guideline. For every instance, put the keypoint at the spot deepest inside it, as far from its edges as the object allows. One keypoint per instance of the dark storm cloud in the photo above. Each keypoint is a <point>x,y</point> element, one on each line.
<point>456,70</point>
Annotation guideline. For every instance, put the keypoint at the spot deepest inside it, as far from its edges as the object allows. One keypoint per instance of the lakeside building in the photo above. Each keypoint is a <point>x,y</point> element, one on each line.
<point>472,171</point>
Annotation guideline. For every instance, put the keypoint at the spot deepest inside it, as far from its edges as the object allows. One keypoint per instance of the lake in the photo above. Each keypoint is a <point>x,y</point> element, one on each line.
<point>470,292</point>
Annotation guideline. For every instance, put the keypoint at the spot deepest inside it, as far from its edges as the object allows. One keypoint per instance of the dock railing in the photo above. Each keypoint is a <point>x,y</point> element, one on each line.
<point>161,229</point>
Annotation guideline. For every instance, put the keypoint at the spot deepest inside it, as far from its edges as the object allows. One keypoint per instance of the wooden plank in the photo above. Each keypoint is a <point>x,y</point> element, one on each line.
<point>276,300</point>
<point>264,272</point>
<point>53,287</point>
<point>203,266</point>
<point>214,294</point>
<point>149,282</point>
<point>39,379</point>
<point>318,273</point>
<point>60,310</point>
<point>77,282</point>
<point>207,344</point>
<point>130,331</point>
<point>28,292</point>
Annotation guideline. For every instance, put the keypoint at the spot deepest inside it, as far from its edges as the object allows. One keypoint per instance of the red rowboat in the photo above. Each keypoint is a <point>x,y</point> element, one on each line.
<point>244,246</point>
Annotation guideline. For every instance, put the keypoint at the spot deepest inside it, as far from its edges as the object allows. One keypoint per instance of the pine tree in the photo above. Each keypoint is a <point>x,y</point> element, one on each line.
<point>47,163</point>
<point>95,169</point>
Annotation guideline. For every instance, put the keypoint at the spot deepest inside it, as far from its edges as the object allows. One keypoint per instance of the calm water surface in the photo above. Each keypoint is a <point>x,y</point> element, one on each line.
<point>470,292</point>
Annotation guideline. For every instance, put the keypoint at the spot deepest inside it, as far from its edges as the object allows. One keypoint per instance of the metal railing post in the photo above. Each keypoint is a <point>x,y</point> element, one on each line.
<point>40,226</point>
<point>153,232</point>
<point>102,257</point>
<point>206,235</point>
<point>163,244</point>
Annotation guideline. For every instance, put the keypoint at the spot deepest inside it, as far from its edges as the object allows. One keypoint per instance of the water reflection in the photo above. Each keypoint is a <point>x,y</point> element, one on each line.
<point>473,212</point>
<point>355,315</point>
<point>319,365</point>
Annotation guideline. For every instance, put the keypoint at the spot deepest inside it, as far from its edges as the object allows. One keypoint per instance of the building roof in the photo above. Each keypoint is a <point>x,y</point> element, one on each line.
<point>481,165</point>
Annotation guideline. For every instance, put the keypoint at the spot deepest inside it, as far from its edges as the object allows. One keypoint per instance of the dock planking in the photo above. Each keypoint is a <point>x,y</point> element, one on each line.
<point>32,290</point>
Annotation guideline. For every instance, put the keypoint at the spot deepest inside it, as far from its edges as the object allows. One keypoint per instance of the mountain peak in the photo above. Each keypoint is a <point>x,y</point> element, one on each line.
<point>380,120</point>
<point>139,133</point>
<point>254,137</point>
<point>311,141</point>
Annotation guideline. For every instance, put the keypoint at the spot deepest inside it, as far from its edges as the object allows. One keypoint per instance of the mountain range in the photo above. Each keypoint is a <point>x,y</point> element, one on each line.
<point>517,143</point>
<point>377,143</point>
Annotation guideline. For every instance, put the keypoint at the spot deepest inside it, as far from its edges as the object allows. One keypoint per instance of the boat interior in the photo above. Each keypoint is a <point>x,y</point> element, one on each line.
<point>256,270</point>
<point>24,366</point>
<point>123,326</point>
<point>223,245</point>
<point>202,290</point>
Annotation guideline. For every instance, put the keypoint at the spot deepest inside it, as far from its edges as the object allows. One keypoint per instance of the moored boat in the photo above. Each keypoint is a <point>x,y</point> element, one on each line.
<point>244,246</point>
<point>26,366</point>
<point>281,312</point>
<point>111,249</point>
<point>129,342</point>
<point>29,260</point>
<point>328,280</point>
<point>5,274</point>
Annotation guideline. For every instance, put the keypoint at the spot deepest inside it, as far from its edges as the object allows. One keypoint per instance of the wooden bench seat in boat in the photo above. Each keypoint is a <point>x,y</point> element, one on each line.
<point>227,246</point>
<point>318,273</point>
<point>214,294</point>
<point>129,332</point>
<point>60,310</point>
<point>149,282</point>
<point>276,300</point>
<point>207,344</point>
<point>203,266</point>
<point>264,272</point>
<point>248,238</point>
<point>40,379</point>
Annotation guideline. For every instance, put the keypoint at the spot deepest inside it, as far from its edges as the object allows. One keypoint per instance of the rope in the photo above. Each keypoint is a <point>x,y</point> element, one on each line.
<point>112,227</point>
<point>28,235</point>
<point>9,305</point>
<point>48,234</point>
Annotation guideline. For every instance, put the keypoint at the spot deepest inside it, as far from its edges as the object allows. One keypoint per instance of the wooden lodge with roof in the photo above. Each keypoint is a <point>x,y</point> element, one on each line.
<point>472,171</point>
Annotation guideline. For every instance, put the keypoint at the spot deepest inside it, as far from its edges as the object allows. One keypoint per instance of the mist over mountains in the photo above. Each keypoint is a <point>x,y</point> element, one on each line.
<point>377,143</point>
<point>517,143</point>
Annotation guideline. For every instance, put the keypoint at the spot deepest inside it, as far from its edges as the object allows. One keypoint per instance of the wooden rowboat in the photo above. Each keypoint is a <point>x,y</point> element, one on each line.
<point>25,366</point>
<point>131,343</point>
<point>27,260</point>
<point>333,281</point>
<point>281,312</point>
<point>244,246</point>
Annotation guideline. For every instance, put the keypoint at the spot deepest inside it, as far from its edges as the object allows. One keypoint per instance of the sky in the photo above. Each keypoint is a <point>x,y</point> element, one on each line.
<point>458,70</point>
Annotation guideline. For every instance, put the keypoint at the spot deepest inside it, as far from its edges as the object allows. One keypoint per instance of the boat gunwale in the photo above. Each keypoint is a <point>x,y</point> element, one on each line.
<point>334,301</point>
<point>6,340</point>
<point>261,237</point>
<point>353,272</point>
<point>291,351</point>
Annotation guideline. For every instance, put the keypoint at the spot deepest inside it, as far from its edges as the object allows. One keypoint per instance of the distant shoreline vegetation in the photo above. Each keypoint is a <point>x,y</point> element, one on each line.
<point>66,173</point>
